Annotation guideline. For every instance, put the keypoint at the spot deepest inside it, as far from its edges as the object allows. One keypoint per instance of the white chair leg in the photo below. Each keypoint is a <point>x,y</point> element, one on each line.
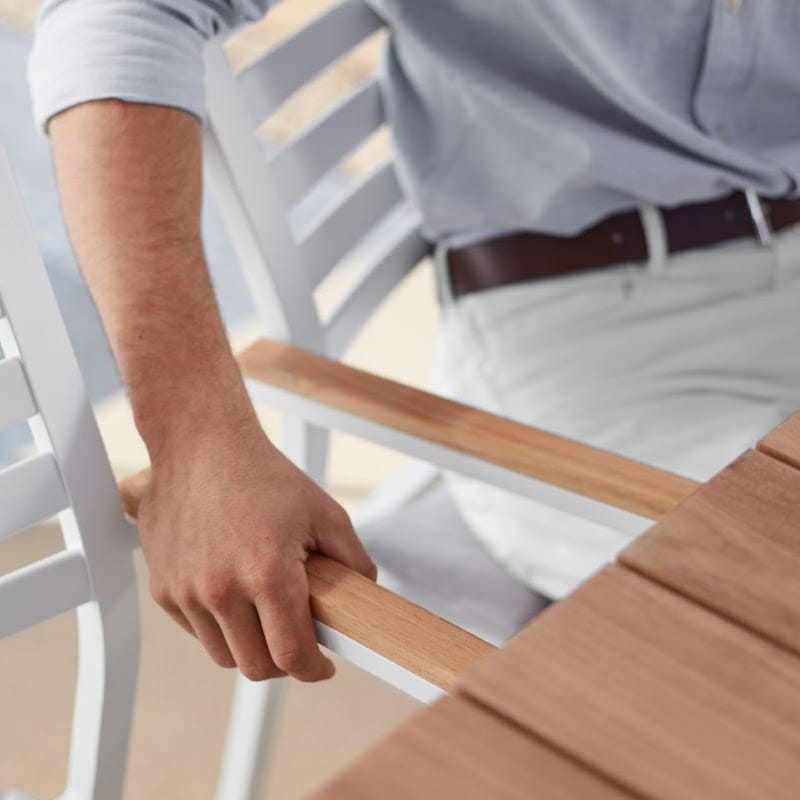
<point>108,660</point>
<point>251,730</point>
<point>307,446</point>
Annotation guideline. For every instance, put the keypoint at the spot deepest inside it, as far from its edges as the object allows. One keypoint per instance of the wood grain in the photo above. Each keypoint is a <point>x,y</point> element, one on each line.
<point>659,694</point>
<point>734,546</point>
<point>562,462</point>
<point>386,623</point>
<point>403,632</point>
<point>456,750</point>
<point>784,442</point>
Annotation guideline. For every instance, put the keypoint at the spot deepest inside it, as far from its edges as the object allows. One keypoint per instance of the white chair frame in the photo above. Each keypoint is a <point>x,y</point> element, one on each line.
<point>40,383</point>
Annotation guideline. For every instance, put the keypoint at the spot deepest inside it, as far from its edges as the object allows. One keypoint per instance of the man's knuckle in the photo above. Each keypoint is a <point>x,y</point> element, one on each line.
<point>257,670</point>
<point>338,517</point>
<point>290,659</point>
<point>183,596</point>
<point>261,580</point>
<point>222,658</point>
<point>161,595</point>
<point>270,589</point>
<point>217,592</point>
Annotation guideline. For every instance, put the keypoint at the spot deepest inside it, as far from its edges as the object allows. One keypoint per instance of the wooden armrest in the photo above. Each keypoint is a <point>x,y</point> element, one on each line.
<point>371,615</point>
<point>562,462</point>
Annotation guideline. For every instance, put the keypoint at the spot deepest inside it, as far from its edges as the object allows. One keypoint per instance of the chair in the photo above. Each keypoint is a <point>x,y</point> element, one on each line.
<point>69,475</point>
<point>289,237</point>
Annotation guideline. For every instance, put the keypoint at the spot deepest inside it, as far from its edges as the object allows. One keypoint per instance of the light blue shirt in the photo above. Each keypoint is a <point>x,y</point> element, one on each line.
<point>507,115</point>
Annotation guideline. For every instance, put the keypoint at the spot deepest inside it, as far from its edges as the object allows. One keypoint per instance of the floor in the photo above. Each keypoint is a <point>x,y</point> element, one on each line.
<point>183,698</point>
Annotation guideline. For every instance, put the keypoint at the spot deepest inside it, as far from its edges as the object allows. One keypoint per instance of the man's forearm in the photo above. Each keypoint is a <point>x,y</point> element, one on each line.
<point>130,178</point>
<point>226,521</point>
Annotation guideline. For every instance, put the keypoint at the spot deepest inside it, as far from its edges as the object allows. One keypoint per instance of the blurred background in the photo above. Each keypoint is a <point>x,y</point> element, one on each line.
<point>183,698</point>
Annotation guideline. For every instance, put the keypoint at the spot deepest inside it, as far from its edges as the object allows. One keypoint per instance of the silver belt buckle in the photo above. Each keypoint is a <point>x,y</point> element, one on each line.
<point>756,209</point>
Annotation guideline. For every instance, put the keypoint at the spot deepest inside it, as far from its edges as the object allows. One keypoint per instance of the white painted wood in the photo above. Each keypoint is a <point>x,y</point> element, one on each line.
<point>44,589</point>
<point>274,78</point>
<point>16,402</point>
<point>306,445</point>
<point>96,534</point>
<point>400,251</point>
<point>301,163</point>
<point>410,482</point>
<point>251,731</point>
<point>360,208</point>
<point>447,458</point>
<point>377,665</point>
<point>31,491</point>
<point>253,211</point>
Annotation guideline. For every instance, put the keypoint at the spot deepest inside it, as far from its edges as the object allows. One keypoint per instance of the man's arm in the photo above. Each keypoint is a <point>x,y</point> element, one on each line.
<point>226,522</point>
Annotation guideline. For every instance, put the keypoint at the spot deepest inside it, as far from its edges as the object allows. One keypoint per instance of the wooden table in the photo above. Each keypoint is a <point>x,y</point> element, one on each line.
<point>672,674</point>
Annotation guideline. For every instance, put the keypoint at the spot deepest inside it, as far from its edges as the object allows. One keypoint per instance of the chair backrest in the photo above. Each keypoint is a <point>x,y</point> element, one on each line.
<point>68,475</point>
<point>285,251</point>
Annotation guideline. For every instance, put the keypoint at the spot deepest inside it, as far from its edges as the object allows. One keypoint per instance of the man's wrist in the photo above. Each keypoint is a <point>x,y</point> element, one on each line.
<point>179,416</point>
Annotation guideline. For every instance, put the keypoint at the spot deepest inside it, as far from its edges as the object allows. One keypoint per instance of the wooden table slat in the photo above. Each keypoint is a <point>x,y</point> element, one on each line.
<point>734,546</point>
<point>784,442</point>
<point>664,697</point>
<point>455,749</point>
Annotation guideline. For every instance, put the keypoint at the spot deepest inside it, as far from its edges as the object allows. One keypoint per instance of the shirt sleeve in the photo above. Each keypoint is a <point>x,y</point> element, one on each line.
<point>142,51</point>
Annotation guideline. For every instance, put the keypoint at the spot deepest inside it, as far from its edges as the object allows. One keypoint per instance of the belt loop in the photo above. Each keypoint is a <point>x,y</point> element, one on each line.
<point>757,213</point>
<point>442,272</point>
<point>655,235</point>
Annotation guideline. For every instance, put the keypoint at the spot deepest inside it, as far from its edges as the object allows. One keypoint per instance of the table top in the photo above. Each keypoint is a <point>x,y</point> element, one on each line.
<point>673,674</point>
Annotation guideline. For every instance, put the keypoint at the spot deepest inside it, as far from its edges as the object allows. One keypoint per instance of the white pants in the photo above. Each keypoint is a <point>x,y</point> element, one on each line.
<point>683,363</point>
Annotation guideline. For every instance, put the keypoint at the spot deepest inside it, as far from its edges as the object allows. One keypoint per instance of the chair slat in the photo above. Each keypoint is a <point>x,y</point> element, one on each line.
<point>352,217</point>
<point>302,162</point>
<point>42,590</point>
<point>285,69</point>
<point>38,492</point>
<point>403,249</point>
<point>16,400</point>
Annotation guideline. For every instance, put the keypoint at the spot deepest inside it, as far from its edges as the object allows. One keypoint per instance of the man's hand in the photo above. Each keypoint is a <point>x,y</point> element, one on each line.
<point>226,522</point>
<point>226,525</point>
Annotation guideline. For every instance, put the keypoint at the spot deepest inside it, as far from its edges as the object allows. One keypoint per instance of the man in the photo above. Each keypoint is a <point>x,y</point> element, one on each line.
<point>583,167</point>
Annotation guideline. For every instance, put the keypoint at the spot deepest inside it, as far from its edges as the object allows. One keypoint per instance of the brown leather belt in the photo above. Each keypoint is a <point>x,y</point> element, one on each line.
<point>615,240</point>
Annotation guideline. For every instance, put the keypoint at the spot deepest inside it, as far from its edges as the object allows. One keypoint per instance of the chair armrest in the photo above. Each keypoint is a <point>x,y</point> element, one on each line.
<point>382,621</point>
<point>572,466</point>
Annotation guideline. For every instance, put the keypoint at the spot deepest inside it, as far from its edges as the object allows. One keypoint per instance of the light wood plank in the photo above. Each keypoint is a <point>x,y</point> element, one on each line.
<point>653,691</point>
<point>403,632</point>
<point>371,615</point>
<point>456,750</point>
<point>734,546</point>
<point>553,459</point>
<point>784,442</point>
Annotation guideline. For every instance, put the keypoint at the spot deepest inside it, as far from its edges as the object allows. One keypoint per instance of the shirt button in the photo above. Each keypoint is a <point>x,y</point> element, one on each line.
<point>735,5</point>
